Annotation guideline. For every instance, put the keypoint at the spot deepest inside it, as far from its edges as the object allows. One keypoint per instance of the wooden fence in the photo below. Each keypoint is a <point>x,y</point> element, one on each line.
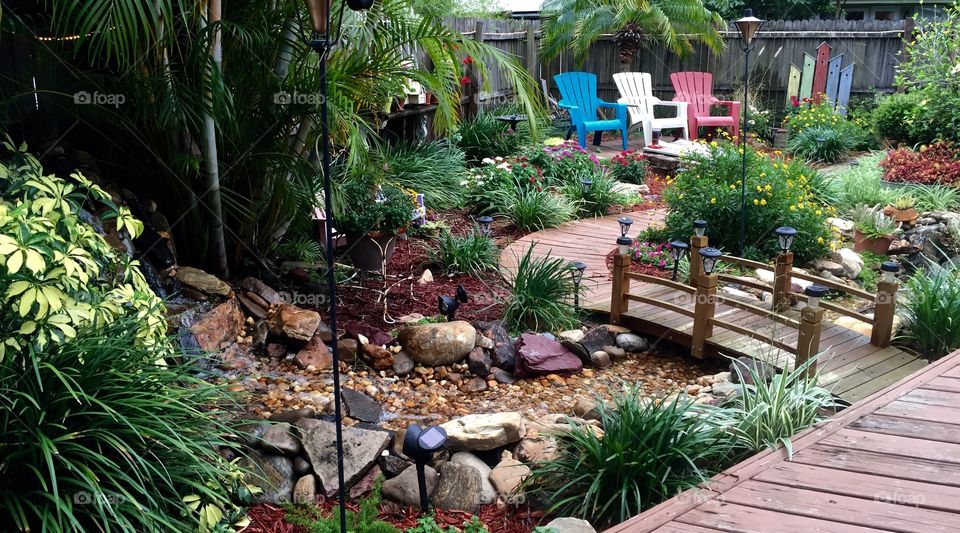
<point>873,46</point>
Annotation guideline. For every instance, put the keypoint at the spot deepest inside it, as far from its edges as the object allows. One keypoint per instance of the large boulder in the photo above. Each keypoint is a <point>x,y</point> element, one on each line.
<point>222,324</point>
<point>438,344</point>
<point>297,324</point>
<point>315,354</point>
<point>503,354</point>
<point>280,438</point>
<point>568,524</point>
<point>850,262</point>
<point>484,431</point>
<point>488,494</point>
<point>405,489</point>
<point>201,281</point>
<point>538,355</point>
<point>459,488</point>
<point>361,447</point>
<point>632,342</point>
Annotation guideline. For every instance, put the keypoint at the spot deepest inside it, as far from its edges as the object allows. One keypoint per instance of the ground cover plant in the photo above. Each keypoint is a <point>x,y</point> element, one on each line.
<point>472,253</point>
<point>931,312</point>
<point>821,144</point>
<point>778,193</point>
<point>937,163</point>
<point>859,184</point>
<point>629,166</point>
<point>807,114</point>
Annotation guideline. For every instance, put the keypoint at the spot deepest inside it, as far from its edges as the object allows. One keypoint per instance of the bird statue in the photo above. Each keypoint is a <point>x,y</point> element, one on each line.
<point>448,304</point>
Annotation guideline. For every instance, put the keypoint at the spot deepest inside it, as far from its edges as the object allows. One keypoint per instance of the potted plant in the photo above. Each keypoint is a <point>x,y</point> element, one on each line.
<point>903,209</point>
<point>873,230</point>
<point>373,216</point>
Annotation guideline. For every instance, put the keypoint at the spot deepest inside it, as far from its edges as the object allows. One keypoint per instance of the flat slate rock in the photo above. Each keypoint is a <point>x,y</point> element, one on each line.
<point>361,447</point>
<point>360,406</point>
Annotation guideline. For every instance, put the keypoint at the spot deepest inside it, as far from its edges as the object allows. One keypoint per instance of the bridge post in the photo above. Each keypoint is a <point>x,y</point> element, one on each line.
<point>621,286</point>
<point>808,340</point>
<point>696,243</point>
<point>782,281</point>
<point>704,308</point>
<point>883,313</point>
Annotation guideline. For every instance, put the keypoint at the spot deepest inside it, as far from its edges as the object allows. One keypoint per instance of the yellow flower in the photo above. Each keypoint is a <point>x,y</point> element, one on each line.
<point>820,240</point>
<point>713,144</point>
<point>763,201</point>
<point>732,187</point>
<point>759,188</point>
<point>819,212</point>
<point>713,200</point>
<point>793,208</point>
<point>756,202</point>
<point>768,187</point>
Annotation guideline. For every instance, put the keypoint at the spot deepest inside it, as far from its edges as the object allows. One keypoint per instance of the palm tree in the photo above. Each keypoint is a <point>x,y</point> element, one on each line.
<point>577,24</point>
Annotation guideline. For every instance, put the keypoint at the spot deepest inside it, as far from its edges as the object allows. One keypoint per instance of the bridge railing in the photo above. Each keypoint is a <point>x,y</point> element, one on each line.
<point>702,289</point>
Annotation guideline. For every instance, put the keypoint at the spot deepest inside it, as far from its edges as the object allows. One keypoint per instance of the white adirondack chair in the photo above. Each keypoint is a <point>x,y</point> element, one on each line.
<point>636,90</point>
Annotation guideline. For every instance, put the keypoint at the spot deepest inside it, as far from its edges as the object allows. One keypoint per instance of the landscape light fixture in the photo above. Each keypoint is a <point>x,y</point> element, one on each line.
<point>785,236</point>
<point>625,223</point>
<point>585,184</point>
<point>577,268</point>
<point>699,227</point>
<point>448,305</point>
<point>820,140</point>
<point>321,42</point>
<point>678,249</point>
<point>709,257</point>
<point>889,271</point>
<point>814,293</point>
<point>485,222</point>
<point>623,244</point>
<point>748,26</point>
<point>420,444</point>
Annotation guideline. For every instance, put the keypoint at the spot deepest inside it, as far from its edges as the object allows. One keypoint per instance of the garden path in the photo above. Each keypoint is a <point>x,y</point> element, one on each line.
<point>889,463</point>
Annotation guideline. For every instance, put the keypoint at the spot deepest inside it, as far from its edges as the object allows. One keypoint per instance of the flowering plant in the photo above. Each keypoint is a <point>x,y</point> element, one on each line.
<point>569,162</point>
<point>938,163</point>
<point>629,166</point>
<point>807,114</point>
<point>497,174</point>
<point>652,253</point>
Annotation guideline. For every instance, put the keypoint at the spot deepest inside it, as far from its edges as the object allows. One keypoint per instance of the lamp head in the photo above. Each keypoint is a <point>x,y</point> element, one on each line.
<point>678,249</point>
<point>585,184</point>
<point>748,26</point>
<point>320,12</point>
<point>709,257</point>
<point>577,268</point>
<point>485,222</point>
<point>700,227</point>
<point>889,271</point>
<point>814,293</point>
<point>785,236</point>
<point>623,244</point>
<point>625,223</point>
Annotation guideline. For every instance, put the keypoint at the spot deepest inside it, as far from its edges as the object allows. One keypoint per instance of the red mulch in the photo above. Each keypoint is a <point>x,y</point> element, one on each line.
<point>266,518</point>
<point>641,268</point>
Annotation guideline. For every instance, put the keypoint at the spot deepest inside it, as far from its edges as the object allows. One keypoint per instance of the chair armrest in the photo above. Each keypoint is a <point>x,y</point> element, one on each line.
<point>681,107</point>
<point>576,113</point>
<point>733,107</point>
<point>621,108</point>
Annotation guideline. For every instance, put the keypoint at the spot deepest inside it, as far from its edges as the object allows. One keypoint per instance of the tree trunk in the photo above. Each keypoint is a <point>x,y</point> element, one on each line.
<point>210,148</point>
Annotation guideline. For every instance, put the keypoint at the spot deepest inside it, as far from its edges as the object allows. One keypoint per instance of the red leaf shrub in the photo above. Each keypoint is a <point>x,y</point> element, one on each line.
<point>932,164</point>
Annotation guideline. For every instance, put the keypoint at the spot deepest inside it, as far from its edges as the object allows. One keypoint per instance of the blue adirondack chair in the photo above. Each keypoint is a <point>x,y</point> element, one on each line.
<point>578,95</point>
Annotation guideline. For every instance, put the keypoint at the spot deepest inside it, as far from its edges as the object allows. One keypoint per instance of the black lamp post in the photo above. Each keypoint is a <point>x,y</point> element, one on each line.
<point>485,222</point>
<point>709,257</point>
<point>678,249</point>
<point>748,26</point>
<point>625,223</point>
<point>321,42</point>
<point>785,236</point>
<point>577,268</point>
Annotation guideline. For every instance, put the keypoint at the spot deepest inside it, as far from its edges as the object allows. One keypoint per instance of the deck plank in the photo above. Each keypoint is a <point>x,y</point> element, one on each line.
<point>908,427</point>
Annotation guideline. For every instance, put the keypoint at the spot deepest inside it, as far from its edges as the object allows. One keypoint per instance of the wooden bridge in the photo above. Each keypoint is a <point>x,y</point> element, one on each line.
<point>852,365</point>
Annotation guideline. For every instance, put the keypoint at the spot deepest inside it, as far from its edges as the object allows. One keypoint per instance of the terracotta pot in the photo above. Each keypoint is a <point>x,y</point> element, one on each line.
<point>879,245</point>
<point>905,215</point>
<point>370,252</point>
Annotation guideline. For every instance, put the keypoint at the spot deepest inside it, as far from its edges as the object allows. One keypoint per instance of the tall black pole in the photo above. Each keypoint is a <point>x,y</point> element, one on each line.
<point>322,47</point>
<point>743,147</point>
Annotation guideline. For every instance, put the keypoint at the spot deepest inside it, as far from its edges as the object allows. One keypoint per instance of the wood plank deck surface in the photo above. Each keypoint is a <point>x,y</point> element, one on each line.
<point>891,462</point>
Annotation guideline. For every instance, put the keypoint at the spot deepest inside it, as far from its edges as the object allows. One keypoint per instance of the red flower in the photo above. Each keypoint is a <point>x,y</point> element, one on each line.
<point>465,80</point>
<point>467,60</point>
<point>795,101</point>
<point>532,179</point>
<point>539,189</point>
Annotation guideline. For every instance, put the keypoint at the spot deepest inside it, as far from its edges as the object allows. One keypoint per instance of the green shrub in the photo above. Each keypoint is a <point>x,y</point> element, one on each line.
<point>434,169</point>
<point>931,310</point>
<point>860,184</point>
<point>629,166</point>
<point>385,208</point>
<point>778,194</point>
<point>765,415</point>
<point>569,163</point>
<point>598,199</point>
<point>106,439</point>
<point>533,209</point>
<point>807,114</point>
<point>821,144</point>
<point>470,254</point>
<point>894,116</point>
<point>649,452</point>
<point>58,273</point>
<point>936,197</point>
<point>541,294</point>
<point>483,136</point>
<point>364,520</point>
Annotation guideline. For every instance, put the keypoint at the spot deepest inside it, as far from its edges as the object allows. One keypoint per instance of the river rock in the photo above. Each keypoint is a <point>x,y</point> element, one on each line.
<point>536,449</point>
<point>502,376</point>
<point>438,344</point>
<point>203,282</point>
<point>507,476</point>
<point>488,494</point>
<point>587,409</point>
<point>292,415</point>
<point>405,489</point>
<point>479,362</point>
<point>391,465</point>
<point>361,448</point>
<point>632,342</point>
<point>538,355</point>
<point>315,354</point>
<point>616,353</point>
<point>459,488</point>
<point>596,338</point>
<point>849,261</point>
<point>360,406</point>
<point>262,290</point>
<point>347,350</point>
<point>763,371</point>
<point>504,353</point>
<point>484,431</point>
<point>600,359</point>
<point>273,474</point>
<point>221,324</point>
<point>576,349</point>
<point>568,524</point>
<point>280,438</point>
<point>377,356</point>
<point>825,265</point>
<point>253,308</point>
<point>572,335</point>
<point>402,364</point>
<point>298,324</point>
<point>305,491</point>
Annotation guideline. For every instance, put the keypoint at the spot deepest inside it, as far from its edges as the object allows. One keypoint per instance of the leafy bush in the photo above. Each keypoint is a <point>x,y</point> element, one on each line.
<point>629,166</point>
<point>807,114</point>
<point>936,197</point>
<point>860,184</point>
<point>434,169</point>
<point>894,116</point>
<point>652,253</point>
<point>649,452</point>
<point>931,312</point>
<point>107,439</point>
<point>938,163</point>
<point>872,222</point>
<point>471,254</point>
<point>533,209</point>
<point>822,144</point>
<point>385,208</point>
<point>541,294</point>
<point>764,415</point>
<point>483,136</point>
<point>569,163</point>
<point>364,520</point>
<point>778,194</point>
<point>59,274</point>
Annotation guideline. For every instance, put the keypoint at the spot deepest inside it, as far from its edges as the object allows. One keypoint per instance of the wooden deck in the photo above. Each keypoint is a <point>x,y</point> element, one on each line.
<point>849,365</point>
<point>889,463</point>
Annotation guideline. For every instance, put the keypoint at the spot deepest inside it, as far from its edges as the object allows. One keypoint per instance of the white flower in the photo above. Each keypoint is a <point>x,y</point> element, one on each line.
<point>498,158</point>
<point>504,166</point>
<point>464,183</point>
<point>955,69</point>
<point>487,161</point>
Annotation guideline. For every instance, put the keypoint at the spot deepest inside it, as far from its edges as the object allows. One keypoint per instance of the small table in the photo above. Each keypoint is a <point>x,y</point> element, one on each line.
<point>513,120</point>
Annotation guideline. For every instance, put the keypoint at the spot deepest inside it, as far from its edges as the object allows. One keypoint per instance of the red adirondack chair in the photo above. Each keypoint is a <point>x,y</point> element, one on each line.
<point>696,88</point>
